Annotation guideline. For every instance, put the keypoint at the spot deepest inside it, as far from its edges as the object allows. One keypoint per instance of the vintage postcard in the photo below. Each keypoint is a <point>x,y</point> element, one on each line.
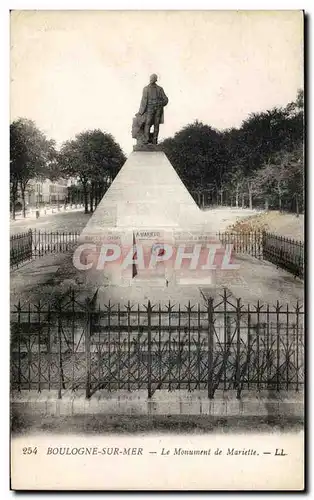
<point>157,206</point>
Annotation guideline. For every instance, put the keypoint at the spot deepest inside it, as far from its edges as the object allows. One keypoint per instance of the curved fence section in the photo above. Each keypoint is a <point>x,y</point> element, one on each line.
<point>284,252</point>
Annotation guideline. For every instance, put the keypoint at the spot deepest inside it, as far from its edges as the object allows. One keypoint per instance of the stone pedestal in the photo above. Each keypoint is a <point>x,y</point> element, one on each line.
<point>146,205</point>
<point>146,193</point>
<point>150,148</point>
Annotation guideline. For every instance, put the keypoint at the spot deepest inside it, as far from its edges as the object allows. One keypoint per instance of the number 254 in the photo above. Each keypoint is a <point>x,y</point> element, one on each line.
<point>29,451</point>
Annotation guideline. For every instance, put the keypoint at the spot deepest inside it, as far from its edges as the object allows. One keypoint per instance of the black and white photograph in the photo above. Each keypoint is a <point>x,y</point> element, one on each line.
<point>157,205</point>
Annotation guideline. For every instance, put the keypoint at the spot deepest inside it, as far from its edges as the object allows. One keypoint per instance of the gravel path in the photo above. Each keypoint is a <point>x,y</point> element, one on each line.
<point>74,220</point>
<point>218,219</point>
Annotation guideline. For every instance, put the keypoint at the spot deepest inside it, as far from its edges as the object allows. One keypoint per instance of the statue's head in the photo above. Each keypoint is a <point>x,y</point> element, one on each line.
<point>153,78</point>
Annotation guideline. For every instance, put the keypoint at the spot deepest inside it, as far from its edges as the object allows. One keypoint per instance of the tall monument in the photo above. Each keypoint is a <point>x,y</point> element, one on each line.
<point>150,114</point>
<point>146,212</point>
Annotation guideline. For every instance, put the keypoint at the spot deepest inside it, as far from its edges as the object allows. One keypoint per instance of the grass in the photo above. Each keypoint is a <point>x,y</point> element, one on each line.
<point>281,223</point>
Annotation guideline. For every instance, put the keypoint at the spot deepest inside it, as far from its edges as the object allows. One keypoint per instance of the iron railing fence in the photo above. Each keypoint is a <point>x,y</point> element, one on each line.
<point>21,248</point>
<point>222,344</point>
<point>250,243</point>
<point>36,243</point>
<point>284,252</point>
<point>45,242</point>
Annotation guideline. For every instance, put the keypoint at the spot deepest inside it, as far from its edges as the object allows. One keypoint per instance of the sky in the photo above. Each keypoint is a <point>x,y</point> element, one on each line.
<point>78,70</point>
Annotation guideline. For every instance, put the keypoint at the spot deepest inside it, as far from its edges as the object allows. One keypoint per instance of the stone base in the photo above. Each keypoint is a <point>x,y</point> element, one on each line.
<point>146,194</point>
<point>146,147</point>
<point>180,402</point>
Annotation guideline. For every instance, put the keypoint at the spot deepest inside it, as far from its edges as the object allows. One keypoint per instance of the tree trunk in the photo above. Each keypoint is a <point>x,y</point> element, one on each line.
<point>266,204</point>
<point>250,196</point>
<point>85,194</point>
<point>101,190</point>
<point>14,197</point>
<point>279,197</point>
<point>221,199</point>
<point>203,200</point>
<point>91,198</point>
<point>97,195</point>
<point>237,195</point>
<point>297,205</point>
<point>250,201</point>
<point>22,188</point>
<point>242,203</point>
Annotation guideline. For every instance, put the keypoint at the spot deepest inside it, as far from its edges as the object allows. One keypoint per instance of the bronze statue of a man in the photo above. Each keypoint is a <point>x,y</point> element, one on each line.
<point>151,112</point>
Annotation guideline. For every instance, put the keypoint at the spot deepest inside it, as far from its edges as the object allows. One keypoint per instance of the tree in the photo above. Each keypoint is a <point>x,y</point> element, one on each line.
<point>296,108</point>
<point>95,159</point>
<point>265,139</point>
<point>237,185</point>
<point>14,183</point>
<point>198,154</point>
<point>281,179</point>
<point>30,153</point>
<point>51,169</point>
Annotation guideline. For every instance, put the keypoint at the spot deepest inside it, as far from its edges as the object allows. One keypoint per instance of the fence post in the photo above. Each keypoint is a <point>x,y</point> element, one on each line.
<point>119,347</point>
<point>59,353</point>
<point>297,310</point>
<point>149,346</point>
<point>226,333</point>
<point>49,347</point>
<point>238,372</point>
<point>258,309</point>
<point>278,307</point>
<point>30,233</point>
<point>109,346</point>
<point>210,347</point>
<point>38,340</point>
<point>198,347</point>
<point>248,345</point>
<point>36,242</point>
<point>189,309</point>
<point>19,344</point>
<point>87,348</point>
<point>263,244</point>
<point>129,344</point>
<point>268,346</point>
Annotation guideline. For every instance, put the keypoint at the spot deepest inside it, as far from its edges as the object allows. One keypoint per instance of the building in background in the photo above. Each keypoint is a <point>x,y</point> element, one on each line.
<point>46,192</point>
<point>50,193</point>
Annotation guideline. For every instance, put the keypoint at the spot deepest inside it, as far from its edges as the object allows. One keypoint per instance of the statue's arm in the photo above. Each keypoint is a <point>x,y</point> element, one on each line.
<point>143,104</point>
